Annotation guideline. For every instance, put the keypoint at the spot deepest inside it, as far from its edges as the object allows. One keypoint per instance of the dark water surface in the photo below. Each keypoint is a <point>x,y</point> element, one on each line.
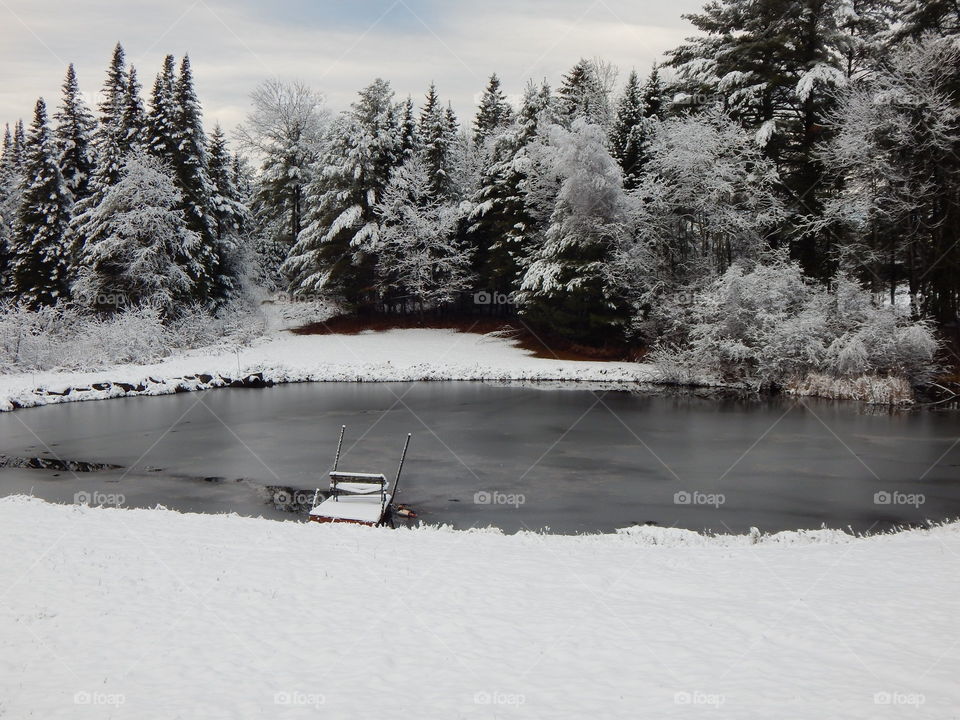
<point>514,457</point>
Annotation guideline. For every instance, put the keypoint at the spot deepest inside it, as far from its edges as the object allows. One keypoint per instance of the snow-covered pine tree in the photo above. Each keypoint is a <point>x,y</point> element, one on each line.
<point>334,253</point>
<point>230,216</point>
<point>421,264</point>
<point>408,128</point>
<point>565,287</point>
<point>38,272</point>
<point>632,126</point>
<point>189,164</point>
<point>19,144</point>
<point>163,118</point>
<point>9,202</point>
<point>654,95</point>
<point>108,136</point>
<point>435,137</point>
<point>500,220</point>
<point>74,134</point>
<point>941,17</point>
<point>779,90</point>
<point>582,94</point>
<point>139,243</point>
<point>109,156</point>
<point>133,123</point>
<point>494,113</point>
<point>626,140</point>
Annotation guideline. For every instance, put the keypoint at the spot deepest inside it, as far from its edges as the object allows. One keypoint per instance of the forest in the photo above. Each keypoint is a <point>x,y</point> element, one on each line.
<point>777,203</point>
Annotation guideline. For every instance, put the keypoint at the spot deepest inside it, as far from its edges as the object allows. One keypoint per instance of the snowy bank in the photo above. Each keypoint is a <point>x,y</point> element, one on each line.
<point>281,357</point>
<point>155,614</point>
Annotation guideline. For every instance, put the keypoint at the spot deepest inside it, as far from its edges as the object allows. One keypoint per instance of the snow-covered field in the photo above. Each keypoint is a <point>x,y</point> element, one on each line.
<point>280,356</point>
<point>154,614</point>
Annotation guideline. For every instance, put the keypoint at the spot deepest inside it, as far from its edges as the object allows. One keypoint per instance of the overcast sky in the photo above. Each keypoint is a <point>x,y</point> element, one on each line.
<point>336,46</point>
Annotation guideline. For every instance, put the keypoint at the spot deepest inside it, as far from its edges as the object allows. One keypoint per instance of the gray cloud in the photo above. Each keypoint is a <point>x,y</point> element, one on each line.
<point>337,46</point>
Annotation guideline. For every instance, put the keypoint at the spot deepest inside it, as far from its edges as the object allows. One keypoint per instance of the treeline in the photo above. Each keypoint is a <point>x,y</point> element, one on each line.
<point>825,130</point>
<point>135,206</point>
<point>817,128</point>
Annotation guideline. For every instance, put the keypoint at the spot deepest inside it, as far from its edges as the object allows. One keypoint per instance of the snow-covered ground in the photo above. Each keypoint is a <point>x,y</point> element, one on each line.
<point>155,614</point>
<point>280,356</point>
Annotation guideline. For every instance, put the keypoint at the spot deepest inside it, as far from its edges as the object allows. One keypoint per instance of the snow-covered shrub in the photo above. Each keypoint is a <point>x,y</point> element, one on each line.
<point>769,327</point>
<point>869,338</point>
<point>66,337</point>
<point>138,250</point>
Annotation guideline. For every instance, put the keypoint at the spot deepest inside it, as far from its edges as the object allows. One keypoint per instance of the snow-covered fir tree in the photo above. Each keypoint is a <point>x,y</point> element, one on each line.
<point>436,137</point>
<point>780,90</point>
<point>230,216</point>
<point>19,145</point>
<point>420,262</point>
<point>334,253</point>
<point>408,128</point>
<point>133,122</point>
<point>500,221</point>
<point>584,94</point>
<point>494,113</point>
<point>109,135</point>
<point>163,117</point>
<point>140,249</point>
<point>9,203</point>
<point>565,287</point>
<point>626,137</point>
<point>916,17</point>
<point>39,258</point>
<point>75,126</point>
<point>189,164</point>
<point>111,148</point>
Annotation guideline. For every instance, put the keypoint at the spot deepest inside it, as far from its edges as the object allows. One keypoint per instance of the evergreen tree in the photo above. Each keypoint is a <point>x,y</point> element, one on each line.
<point>108,137</point>
<point>632,127</point>
<point>494,113</point>
<point>163,116</point>
<point>335,252</point>
<point>566,286</point>
<point>229,214</point>
<point>9,203</point>
<point>654,95</point>
<point>39,257</point>
<point>75,127</point>
<point>138,244</point>
<point>501,222</point>
<point>582,95</point>
<point>19,145</point>
<point>626,141</point>
<point>408,128</point>
<point>436,137</point>
<point>941,17</point>
<point>776,64</point>
<point>133,123</point>
<point>189,164</point>
<point>108,141</point>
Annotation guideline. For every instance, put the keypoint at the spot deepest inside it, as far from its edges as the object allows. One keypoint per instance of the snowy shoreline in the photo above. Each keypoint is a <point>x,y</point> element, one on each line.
<point>806,624</point>
<point>391,356</point>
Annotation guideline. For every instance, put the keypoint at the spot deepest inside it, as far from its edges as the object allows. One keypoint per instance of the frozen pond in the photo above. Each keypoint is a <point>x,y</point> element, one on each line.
<point>514,457</point>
